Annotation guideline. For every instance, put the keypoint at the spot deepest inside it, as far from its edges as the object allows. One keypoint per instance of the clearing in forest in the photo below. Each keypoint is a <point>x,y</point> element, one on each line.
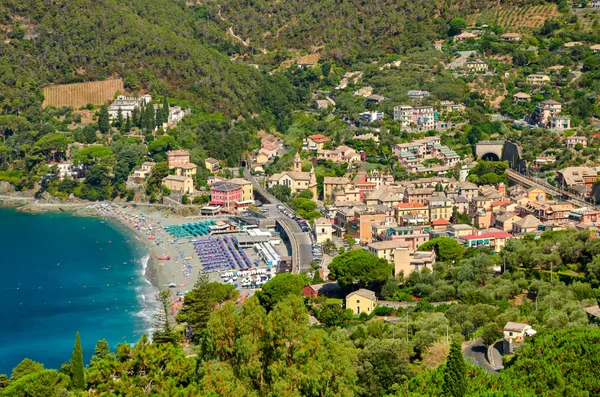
<point>80,94</point>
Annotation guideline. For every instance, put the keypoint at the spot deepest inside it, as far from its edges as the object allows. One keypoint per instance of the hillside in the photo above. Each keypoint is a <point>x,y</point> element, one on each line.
<point>346,30</point>
<point>154,45</point>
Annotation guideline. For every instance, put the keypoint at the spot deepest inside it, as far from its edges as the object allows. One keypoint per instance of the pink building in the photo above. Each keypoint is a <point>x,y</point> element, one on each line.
<point>225,194</point>
<point>177,157</point>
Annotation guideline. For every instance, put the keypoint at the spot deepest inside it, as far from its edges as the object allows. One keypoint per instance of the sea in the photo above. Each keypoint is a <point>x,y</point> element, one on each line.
<point>61,274</point>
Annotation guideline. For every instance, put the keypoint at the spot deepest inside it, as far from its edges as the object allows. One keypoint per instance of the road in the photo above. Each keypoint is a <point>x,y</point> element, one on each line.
<point>476,351</point>
<point>300,241</point>
<point>542,184</point>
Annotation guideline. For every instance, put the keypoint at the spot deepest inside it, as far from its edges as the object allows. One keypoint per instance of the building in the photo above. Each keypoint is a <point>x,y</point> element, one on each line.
<point>323,230</point>
<point>370,117</point>
<point>325,289</point>
<point>341,154</point>
<point>177,157</point>
<point>504,221</point>
<point>404,114</point>
<point>476,65</point>
<point>331,184</point>
<point>247,189</point>
<point>408,236</point>
<point>385,249</point>
<point>510,37</point>
<point>528,224</point>
<point>465,36</point>
<point>186,169</point>
<point>537,79</point>
<point>361,301</point>
<point>449,107</point>
<point>536,194</point>
<point>574,140</point>
<point>321,104</point>
<point>596,47</point>
<point>440,207</point>
<point>226,195</point>
<point>521,97</point>
<point>144,171</point>
<point>179,184</point>
<point>407,260</point>
<point>417,95</point>
<point>560,123</point>
<point>296,180</point>
<point>364,218</point>
<point>514,335</point>
<point>545,110</point>
<point>544,159</point>
<point>127,104</point>
<point>494,240</point>
<point>315,143</point>
<point>375,99</point>
<point>577,176</point>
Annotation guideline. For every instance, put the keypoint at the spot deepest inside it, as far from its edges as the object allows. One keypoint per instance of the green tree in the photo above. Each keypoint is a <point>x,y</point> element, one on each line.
<point>277,354</point>
<point>200,301</point>
<point>157,174</point>
<point>457,25</point>
<point>103,120</point>
<point>45,382</point>
<point>455,373</point>
<point>77,368</point>
<point>101,351</point>
<point>279,287</point>
<point>359,266</point>
<point>127,124</point>
<point>447,249</point>
<point>164,331</point>
<point>24,368</point>
<point>281,192</point>
<point>491,333</point>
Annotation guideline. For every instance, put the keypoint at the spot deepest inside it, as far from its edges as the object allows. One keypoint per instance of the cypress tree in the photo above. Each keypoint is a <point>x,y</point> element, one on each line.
<point>127,124</point>
<point>77,371</point>
<point>103,120</point>
<point>455,382</point>
<point>149,121</point>
<point>119,122</point>
<point>135,117</point>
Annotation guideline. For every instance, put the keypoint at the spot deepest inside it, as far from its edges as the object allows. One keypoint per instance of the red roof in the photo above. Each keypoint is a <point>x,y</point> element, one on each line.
<point>411,205</point>
<point>319,138</point>
<point>500,202</point>
<point>487,235</point>
<point>440,222</point>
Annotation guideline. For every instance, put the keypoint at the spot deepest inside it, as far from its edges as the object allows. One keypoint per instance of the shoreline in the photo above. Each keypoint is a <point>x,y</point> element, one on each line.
<point>145,223</point>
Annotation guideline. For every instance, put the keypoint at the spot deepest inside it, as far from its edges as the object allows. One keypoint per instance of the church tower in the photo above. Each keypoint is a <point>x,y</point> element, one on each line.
<point>297,163</point>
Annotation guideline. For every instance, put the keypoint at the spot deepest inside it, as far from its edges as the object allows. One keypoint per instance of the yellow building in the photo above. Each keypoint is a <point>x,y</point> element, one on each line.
<point>323,230</point>
<point>407,260</point>
<point>536,194</point>
<point>247,188</point>
<point>211,164</point>
<point>187,169</point>
<point>262,159</point>
<point>331,184</point>
<point>361,301</point>
<point>179,184</point>
<point>296,180</point>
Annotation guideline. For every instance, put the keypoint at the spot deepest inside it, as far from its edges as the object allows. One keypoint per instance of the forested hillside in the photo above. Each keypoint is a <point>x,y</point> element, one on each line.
<point>349,29</point>
<point>154,45</point>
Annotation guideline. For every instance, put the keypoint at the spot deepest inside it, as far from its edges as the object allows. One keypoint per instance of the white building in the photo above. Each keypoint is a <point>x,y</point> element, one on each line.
<point>370,117</point>
<point>404,114</point>
<point>127,104</point>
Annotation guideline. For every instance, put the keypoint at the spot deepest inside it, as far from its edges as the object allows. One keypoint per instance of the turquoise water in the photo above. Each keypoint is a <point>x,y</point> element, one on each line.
<point>63,274</point>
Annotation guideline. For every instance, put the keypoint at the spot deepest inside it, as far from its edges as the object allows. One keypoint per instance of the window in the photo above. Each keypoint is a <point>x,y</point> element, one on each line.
<point>358,301</point>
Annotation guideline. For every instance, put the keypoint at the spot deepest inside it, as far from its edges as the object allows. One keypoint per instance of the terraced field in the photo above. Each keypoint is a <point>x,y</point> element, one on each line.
<point>522,19</point>
<point>81,94</point>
